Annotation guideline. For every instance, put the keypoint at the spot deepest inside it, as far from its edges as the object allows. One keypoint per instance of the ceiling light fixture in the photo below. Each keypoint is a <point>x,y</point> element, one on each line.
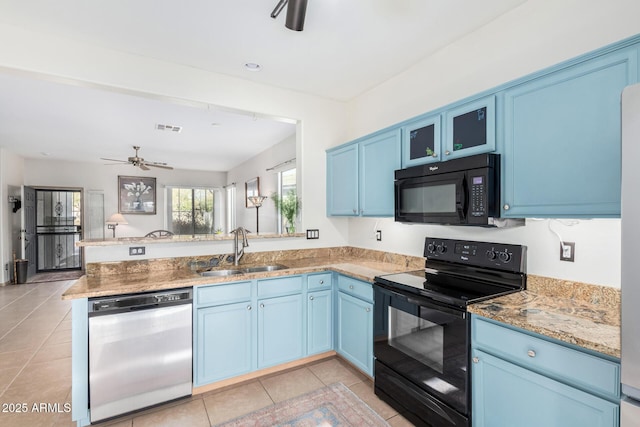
<point>253,66</point>
<point>171,128</point>
<point>296,11</point>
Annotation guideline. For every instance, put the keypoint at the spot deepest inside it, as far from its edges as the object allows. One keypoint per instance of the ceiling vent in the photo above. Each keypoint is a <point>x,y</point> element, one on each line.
<point>171,128</point>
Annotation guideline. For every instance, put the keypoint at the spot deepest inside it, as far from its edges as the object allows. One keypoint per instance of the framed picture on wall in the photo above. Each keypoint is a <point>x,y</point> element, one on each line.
<point>251,188</point>
<point>136,195</point>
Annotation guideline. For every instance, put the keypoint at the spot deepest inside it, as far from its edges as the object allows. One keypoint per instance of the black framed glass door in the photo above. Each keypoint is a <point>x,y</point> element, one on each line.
<point>58,229</point>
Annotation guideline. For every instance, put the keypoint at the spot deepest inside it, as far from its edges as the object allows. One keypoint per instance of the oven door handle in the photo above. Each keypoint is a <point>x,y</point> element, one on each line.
<point>423,302</point>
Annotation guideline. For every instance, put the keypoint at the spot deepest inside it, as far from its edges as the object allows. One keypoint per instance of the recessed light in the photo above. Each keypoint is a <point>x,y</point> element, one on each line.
<point>216,125</point>
<point>252,66</point>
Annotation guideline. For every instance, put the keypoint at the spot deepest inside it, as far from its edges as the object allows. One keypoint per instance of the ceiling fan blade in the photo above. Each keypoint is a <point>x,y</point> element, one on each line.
<point>143,167</point>
<point>159,166</point>
<point>114,160</point>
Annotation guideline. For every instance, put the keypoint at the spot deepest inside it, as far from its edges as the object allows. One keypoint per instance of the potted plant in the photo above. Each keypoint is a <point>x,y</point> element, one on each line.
<point>288,206</point>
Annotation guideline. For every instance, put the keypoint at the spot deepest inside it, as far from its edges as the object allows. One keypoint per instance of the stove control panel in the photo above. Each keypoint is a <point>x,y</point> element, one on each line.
<point>501,256</point>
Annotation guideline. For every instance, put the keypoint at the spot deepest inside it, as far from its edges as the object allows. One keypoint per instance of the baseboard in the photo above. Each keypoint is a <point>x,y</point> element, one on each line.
<point>262,372</point>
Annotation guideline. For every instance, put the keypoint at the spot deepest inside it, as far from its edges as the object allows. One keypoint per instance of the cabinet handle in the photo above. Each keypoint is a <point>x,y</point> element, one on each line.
<point>261,305</point>
<point>311,298</point>
<point>322,282</point>
<point>368,309</point>
<point>506,207</point>
<point>248,307</point>
<point>475,360</point>
<point>355,211</point>
<point>531,353</point>
<point>434,154</point>
<point>447,152</point>
<point>350,286</point>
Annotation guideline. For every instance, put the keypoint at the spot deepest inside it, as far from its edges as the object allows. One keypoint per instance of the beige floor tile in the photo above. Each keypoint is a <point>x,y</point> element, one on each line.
<point>333,371</point>
<point>49,352</point>
<point>291,384</point>
<point>12,359</point>
<point>365,392</point>
<point>192,414</point>
<point>232,403</point>
<point>7,376</point>
<point>52,371</point>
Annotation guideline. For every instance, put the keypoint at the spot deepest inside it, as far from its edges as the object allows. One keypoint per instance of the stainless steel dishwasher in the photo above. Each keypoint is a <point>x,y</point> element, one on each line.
<point>140,351</point>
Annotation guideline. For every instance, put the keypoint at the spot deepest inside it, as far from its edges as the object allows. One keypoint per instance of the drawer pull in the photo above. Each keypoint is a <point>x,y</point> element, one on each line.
<point>475,360</point>
<point>350,286</point>
<point>261,305</point>
<point>322,282</point>
<point>368,309</point>
<point>531,353</point>
<point>248,307</point>
<point>311,298</point>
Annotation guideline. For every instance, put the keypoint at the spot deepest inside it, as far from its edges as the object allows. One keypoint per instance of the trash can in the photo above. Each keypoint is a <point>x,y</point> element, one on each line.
<point>21,270</point>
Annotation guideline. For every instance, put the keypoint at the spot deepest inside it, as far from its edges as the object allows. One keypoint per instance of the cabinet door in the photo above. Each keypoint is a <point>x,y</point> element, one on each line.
<point>355,331</point>
<point>506,395</point>
<point>421,142</point>
<point>319,321</point>
<point>379,158</point>
<point>470,129</point>
<point>342,181</point>
<point>224,342</point>
<point>280,331</point>
<point>562,140</point>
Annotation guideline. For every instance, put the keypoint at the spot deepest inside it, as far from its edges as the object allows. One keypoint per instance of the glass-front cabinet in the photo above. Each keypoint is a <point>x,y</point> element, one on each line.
<point>421,141</point>
<point>470,128</point>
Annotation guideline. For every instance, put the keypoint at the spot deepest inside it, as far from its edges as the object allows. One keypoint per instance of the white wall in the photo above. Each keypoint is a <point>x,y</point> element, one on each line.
<point>257,167</point>
<point>536,35</point>
<point>11,177</point>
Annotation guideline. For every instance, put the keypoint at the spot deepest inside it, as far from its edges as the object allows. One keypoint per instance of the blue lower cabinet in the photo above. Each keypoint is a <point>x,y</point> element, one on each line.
<point>355,331</point>
<point>319,321</point>
<point>507,395</point>
<point>224,342</point>
<point>280,330</point>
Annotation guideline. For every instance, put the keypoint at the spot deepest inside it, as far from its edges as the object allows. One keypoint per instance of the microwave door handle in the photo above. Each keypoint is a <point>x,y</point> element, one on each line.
<point>461,203</point>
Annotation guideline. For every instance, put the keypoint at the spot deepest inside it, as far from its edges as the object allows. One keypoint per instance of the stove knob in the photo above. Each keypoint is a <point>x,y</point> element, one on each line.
<point>491,255</point>
<point>504,256</point>
<point>442,249</point>
<point>431,247</point>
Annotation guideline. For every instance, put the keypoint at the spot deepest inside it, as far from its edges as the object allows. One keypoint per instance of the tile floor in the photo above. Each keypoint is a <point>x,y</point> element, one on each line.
<point>35,373</point>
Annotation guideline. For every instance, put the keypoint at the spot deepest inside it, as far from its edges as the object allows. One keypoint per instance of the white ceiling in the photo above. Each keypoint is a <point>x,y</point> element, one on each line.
<point>347,47</point>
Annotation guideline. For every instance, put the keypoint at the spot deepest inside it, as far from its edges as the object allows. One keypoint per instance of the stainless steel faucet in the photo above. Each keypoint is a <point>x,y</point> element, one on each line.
<point>238,253</point>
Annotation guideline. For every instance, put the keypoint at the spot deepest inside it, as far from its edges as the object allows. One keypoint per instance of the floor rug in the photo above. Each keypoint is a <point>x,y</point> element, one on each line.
<point>334,405</point>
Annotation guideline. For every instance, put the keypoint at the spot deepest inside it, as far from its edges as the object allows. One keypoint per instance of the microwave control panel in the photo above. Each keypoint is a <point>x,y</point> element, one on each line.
<point>478,194</point>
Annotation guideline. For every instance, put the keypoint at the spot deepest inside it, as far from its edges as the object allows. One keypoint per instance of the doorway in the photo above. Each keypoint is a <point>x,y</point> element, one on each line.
<point>58,228</point>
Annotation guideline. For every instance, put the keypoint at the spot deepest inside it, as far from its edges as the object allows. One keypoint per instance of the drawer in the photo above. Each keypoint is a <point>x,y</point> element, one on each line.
<point>571,366</point>
<point>223,293</point>
<point>319,281</point>
<point>355,287</point>
<point>279,286</point>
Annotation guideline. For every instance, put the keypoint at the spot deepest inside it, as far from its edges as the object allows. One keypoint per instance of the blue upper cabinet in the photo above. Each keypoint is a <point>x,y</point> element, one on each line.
<point>342,181</point>
<point>421,141</point>
<point>562,140</point>
<point>470,128</point>
<point>360,176</point>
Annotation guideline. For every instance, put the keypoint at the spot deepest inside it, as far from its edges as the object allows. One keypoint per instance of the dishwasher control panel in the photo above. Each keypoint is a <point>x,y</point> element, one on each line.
<point>139,301</point>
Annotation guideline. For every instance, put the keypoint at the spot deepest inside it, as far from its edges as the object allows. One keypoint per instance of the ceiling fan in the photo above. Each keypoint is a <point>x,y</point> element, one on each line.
<point>139,161</point>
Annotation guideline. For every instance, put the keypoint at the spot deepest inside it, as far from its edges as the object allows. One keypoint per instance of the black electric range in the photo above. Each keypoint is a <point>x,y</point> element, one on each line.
<point>422,328</point>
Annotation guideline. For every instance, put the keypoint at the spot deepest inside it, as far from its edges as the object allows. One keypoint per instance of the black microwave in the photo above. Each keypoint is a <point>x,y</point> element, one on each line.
<point>463,191</point>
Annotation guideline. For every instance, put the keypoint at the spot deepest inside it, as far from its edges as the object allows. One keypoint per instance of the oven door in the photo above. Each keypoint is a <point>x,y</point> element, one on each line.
<point>424,343</point>
<point>440,199</point>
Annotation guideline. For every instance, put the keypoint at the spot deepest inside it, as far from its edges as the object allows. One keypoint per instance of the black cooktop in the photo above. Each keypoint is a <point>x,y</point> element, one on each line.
<point>460,272</point>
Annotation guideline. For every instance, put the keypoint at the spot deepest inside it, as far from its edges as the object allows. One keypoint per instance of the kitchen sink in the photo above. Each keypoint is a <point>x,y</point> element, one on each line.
<point>262,268</point>
<point>232,272</point>
<point>220,273</point>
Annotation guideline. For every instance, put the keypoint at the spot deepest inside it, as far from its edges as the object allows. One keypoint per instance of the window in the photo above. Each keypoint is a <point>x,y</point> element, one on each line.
<point>231,207</point>
<point>286,184</point>
<point>191,210</point>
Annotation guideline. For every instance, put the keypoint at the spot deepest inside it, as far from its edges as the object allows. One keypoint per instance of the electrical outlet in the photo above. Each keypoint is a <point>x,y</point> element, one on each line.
<point>136,250</point>
<point>567,251</point>
<point>313,233</point>
<point>379,235</point>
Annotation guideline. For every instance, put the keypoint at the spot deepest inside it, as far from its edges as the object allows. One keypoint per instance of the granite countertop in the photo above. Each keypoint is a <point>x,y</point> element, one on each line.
<point>118,284</point>
<point>581,314</point>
